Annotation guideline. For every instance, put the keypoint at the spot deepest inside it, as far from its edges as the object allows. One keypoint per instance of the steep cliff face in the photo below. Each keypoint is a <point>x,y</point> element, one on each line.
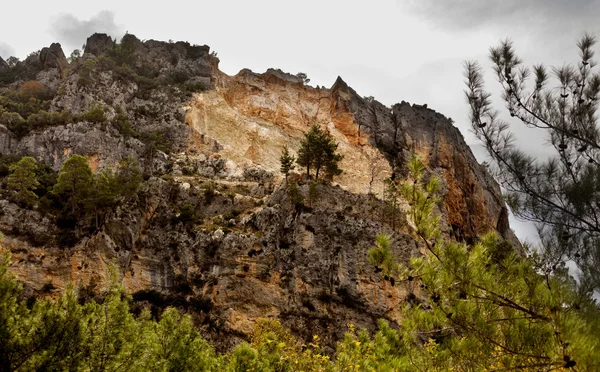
<point>248,253</point>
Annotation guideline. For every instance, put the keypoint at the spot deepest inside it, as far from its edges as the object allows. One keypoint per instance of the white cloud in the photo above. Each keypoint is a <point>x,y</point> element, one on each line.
<point>73,32</point>
<point>6,50</point>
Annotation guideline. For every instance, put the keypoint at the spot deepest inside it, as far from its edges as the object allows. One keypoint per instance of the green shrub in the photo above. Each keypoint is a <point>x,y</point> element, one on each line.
<point>209,192</point>
<point>296,197</point>
<point>123,125</point>
<point>95,114</point>
<point>15,123</point>
<point>195,87</point>
<point>178,77</point>
<point>6,161</point>
<point>44,119</point>
<point>188,171</point>
<point>187,214</point>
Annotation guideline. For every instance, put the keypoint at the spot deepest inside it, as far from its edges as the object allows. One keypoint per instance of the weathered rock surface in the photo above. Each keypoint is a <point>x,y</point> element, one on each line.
<point>247,253</point>
<point>53,57</point>
<point>3,65</point>
<point>97,44</point>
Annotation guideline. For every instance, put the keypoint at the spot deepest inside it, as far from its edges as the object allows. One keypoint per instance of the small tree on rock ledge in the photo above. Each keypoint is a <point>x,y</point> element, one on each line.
<point>318,151</point>
<point>287,162</point>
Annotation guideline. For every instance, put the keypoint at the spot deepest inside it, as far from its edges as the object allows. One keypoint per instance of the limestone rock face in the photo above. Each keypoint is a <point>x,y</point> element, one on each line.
<point>246,252</point>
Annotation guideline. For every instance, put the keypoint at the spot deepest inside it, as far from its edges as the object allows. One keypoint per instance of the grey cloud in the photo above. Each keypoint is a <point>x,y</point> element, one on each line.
<point>473,14</point>
<point>6,50</point>
<point>73,32</point>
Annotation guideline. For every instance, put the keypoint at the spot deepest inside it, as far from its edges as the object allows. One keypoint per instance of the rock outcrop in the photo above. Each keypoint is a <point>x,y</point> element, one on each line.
<point>53,57</point>
<point>98,44</point>
<point>3,65</point>
<point>246,252</point>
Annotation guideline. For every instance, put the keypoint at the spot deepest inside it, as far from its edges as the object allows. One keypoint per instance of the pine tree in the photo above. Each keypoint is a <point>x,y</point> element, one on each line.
<point>561,194</point>
<point>481,307</point>
<point>102,195</point>
<point>318,151</point>
<point>75,183</point>
<point>23,180</point>
<point>287,162</point>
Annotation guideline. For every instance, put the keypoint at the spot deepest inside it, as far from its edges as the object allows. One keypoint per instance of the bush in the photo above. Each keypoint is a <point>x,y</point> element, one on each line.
<point>95,114</point>
<point>6,161</point>
<point>34,89</point>
<point>209,192</point>
<point>194,87</point>
<point>188,171</point>
<point>179,77</point>
<point>123,125</point>
<point>187,214</point>
<point>15,123</point>
<point>296,197</point>
<point>45,119</point>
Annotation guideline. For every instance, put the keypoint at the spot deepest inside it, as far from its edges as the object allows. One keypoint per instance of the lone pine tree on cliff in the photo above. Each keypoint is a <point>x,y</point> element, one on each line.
<point>318,151</point>
<point>287,162</point>
<point>561,193</point>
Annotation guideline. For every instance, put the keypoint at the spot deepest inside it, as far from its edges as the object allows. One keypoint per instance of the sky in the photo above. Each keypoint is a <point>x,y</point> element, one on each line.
<point>394,50</point>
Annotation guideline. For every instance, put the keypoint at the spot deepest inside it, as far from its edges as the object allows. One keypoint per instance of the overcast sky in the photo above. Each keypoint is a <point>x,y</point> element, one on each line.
<point>408,50</point>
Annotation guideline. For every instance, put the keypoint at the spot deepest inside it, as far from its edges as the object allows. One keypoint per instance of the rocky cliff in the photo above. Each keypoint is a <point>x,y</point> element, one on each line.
<point>213,142</point>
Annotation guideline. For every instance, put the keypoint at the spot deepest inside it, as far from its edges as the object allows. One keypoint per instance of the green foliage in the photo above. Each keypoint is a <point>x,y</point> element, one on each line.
<point>194,87</point>
<point>123,125</point>
<point>423,198</point>
<point>559,193</point>
<point>391,197</point>
<point>65,335</point>
<point>85,194</point>
<point>209,192</point>
<point>381,256</point>
<point>15,123</point>
<point>187,214</point>
<point>44,119</point>
<point>273,348</point>
<point>27,109</point>
<point>295,195</point>
<point>124,52</point>
<point>179,347</point>
<point>318,151</point>
<point>123,62</point>
<point>287,162</point>
<point>6,161</point>
<point>156,141</point>
<point>313,191</point>
<point>74,56</point>
<point>128,178</point>
<point>487,308</point>
<point>86,73</point>
<point>20,70</point>
<point>95,114</point>
<point>75,184</point>
<point>23,181</point>
<point>179,77</point>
